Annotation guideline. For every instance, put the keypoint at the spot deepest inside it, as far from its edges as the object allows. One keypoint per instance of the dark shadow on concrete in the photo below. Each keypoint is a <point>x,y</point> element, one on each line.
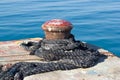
<point>93,46</point>
<point>102,58</point>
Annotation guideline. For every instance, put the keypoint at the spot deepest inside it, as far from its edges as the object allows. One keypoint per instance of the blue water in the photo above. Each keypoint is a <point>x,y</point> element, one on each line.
<point>95,21</point>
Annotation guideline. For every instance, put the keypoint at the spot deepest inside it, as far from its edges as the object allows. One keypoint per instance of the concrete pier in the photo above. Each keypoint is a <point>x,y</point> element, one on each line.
<point>107,68</point>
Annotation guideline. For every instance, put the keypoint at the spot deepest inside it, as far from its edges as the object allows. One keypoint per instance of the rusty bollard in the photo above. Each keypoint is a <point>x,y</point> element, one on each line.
<point>57,29</point>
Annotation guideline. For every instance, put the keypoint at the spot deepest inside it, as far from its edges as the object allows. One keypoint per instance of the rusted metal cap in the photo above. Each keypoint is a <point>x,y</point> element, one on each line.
<point>57,29</point>
<point>57,25</point>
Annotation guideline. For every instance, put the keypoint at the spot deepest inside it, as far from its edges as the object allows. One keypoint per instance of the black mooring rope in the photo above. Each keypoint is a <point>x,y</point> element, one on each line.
<point>61,54</point>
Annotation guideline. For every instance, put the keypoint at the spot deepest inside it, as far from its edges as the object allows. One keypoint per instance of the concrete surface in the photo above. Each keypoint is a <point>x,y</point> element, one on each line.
<point>12,52</point>
<point>106,69</point>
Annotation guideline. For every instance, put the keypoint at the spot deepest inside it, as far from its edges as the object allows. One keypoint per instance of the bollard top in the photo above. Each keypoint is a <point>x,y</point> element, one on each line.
<point>58,25</point>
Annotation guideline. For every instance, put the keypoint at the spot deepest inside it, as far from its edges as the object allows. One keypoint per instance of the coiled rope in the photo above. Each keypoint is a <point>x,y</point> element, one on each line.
<point>60,54</point>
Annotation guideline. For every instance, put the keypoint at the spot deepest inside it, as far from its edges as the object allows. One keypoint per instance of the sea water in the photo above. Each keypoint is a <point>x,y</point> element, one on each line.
<point>95,21</point>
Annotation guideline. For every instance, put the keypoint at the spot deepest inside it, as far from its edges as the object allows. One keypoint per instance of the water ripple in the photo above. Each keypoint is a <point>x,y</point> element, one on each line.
<point>95,21</point>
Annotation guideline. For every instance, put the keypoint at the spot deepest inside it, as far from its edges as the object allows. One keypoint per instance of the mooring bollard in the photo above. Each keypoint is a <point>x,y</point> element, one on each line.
<point>60,51</point>
<point>57,29</point>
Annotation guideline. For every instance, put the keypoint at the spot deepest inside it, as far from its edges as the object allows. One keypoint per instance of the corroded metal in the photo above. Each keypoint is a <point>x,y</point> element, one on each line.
<point>59,50</point>
<point>57,29</point>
